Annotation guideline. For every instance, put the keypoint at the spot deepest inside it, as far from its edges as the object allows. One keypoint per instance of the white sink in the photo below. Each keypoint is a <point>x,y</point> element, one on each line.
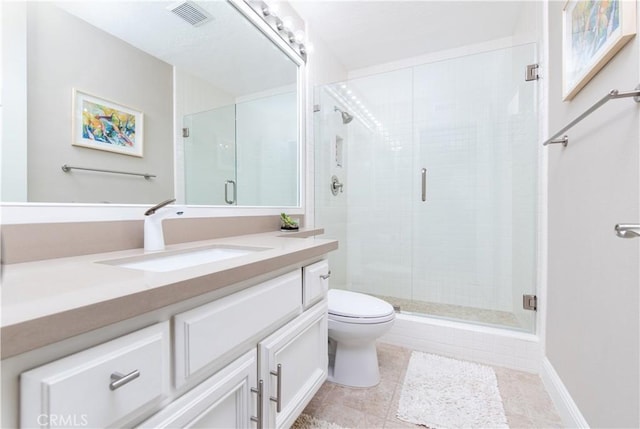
<point>176,260</point>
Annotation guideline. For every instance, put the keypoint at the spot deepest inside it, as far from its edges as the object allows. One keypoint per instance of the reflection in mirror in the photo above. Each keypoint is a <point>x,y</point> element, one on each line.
<point>252,146</point>
<point>218,99</point>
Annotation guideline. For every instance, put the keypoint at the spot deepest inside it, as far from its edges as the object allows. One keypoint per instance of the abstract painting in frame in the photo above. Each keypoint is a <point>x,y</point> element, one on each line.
<point>593,32</point>
<point>105,125</point>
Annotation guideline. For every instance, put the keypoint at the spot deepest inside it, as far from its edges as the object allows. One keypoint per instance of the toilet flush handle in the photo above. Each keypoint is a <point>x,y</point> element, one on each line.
<point>325,276</point>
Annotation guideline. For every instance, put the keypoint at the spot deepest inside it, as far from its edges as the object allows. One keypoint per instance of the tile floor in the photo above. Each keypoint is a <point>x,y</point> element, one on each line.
<point>526,403</point>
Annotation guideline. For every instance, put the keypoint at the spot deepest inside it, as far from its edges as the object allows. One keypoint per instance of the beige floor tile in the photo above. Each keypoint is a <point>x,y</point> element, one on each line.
<point>341,415</point>
<point>526,402</point>
<point>373,422</point>
<point>398,424</point>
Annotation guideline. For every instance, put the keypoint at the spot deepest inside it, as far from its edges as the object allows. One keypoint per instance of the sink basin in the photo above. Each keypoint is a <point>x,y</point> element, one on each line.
<point>176,260</point>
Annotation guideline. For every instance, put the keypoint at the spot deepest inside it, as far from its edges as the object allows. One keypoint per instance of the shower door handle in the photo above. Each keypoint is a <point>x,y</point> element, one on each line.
<point>226,192</point>
<point>424,184</point>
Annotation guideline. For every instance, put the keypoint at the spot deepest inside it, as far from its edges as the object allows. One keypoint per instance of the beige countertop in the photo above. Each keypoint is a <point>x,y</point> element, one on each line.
<point>47,301</point>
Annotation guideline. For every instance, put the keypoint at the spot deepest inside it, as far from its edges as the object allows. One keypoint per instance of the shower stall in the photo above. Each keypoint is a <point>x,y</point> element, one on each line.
<point>437,212</point>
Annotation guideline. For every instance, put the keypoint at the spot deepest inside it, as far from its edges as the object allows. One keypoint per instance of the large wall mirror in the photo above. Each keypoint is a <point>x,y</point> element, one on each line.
<point>197,98</point>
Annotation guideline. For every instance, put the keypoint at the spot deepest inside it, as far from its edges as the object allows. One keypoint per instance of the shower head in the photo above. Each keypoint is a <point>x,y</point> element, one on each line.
<point>346,116</point>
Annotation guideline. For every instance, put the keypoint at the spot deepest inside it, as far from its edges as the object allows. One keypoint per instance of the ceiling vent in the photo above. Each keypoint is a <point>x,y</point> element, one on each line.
<point>191,13</point>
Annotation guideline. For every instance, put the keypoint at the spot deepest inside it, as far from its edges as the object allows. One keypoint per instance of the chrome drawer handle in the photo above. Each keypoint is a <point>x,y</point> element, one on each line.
<point>259,391</point>
<point>278,398</point>
<point>118,380</point>
<point>326,276</point>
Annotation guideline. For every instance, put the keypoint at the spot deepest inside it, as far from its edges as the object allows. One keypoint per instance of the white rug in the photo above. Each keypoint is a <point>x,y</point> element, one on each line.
<point>440,392</point>
<point>305,421</point>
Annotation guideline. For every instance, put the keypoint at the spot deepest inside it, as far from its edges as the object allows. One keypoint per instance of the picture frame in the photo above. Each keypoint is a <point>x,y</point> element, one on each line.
<point>593,32</point>
<point>102,124</point>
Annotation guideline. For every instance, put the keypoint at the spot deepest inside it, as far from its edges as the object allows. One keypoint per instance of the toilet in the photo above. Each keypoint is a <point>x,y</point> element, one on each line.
<point>355,322</point>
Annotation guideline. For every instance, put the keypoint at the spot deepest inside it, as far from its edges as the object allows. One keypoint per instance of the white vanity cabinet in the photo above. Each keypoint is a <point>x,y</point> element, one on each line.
<point>271,394</point>
<point>106,385</point>
<point>227,399</point>
<point>292,351</point>
<point>251,359</point>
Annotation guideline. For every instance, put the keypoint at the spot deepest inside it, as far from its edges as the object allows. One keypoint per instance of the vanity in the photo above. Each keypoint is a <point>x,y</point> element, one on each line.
<point>238,342</point>
<point>95,335</point>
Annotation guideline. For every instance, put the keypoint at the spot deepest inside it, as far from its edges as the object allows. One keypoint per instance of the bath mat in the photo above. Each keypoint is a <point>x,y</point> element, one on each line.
<point>305,421</point>
<point>440,392</point>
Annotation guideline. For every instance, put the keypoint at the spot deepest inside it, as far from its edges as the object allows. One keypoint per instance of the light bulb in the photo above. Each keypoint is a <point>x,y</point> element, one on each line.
<point>287,23</point>
<point>299,36</point>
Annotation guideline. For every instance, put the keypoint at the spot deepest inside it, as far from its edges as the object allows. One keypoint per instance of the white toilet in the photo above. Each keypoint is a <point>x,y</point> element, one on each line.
<point>356,320</point>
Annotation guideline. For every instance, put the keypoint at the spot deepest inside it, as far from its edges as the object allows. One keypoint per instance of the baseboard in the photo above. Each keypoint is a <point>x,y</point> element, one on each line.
<point>566,407</point>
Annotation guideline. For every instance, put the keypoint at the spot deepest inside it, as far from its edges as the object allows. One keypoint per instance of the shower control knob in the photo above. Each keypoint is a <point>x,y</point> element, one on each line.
<point>336,186</point>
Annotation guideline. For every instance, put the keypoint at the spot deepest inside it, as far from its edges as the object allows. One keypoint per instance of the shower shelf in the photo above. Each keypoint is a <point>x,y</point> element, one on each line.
<point>613,94</point>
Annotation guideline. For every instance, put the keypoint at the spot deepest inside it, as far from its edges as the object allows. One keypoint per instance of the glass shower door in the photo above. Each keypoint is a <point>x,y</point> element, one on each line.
<point>474,206</point>
<point>210,157</point>
<point>378,143</point>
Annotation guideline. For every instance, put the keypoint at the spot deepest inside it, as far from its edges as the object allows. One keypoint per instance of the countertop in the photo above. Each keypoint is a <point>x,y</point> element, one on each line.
<point>47,301</point>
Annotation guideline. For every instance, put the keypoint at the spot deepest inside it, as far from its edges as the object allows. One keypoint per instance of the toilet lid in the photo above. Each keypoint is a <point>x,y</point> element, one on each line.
<point>352,304</point>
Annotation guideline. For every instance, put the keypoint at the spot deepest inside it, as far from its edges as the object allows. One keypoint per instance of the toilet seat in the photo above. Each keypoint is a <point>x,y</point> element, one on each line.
<point>361,320</point>
<point>352,307</point>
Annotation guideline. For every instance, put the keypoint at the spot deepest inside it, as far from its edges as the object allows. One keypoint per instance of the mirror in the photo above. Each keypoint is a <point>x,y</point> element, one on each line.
<point>207,109</point>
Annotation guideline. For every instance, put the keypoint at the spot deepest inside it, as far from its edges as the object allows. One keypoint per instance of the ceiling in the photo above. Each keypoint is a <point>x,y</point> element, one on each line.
<point>366,33</point>
<point>227,51</point>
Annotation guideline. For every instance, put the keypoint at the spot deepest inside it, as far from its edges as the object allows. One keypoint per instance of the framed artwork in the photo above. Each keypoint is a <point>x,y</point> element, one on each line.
<point>104,125</point>
<point>593,32</point>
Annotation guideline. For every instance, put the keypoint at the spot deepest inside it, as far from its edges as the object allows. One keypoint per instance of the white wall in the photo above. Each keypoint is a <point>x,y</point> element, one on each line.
<point>14,102</point>
<point>593,325</point>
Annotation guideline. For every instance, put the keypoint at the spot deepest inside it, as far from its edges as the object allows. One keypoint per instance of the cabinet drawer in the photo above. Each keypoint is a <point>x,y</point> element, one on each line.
<point>224,328</point>
<point>316,283</point>
<point>81,389</point>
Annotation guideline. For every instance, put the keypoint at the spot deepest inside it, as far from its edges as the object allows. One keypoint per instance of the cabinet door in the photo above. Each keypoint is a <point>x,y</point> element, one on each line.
<point>224,400</point>
<point>293,365</point>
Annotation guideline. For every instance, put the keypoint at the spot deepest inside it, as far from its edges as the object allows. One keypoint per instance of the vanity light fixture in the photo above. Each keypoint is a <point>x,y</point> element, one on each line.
<point>287,23</point>
<point>284,27</point>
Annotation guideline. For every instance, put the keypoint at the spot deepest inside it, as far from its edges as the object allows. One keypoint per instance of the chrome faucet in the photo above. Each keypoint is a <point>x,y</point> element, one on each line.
<point>153,234</point>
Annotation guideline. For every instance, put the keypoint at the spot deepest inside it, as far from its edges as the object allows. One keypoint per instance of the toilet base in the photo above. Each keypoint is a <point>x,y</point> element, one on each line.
<point>355,365</point>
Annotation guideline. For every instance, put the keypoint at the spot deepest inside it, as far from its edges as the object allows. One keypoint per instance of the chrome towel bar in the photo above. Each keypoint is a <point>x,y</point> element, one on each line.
<point>628,230</point>
<point>613,94</point>
<point>66,168</point>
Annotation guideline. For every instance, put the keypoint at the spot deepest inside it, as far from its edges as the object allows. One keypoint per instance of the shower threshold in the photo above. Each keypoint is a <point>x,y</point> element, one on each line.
<point>455,312</point>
